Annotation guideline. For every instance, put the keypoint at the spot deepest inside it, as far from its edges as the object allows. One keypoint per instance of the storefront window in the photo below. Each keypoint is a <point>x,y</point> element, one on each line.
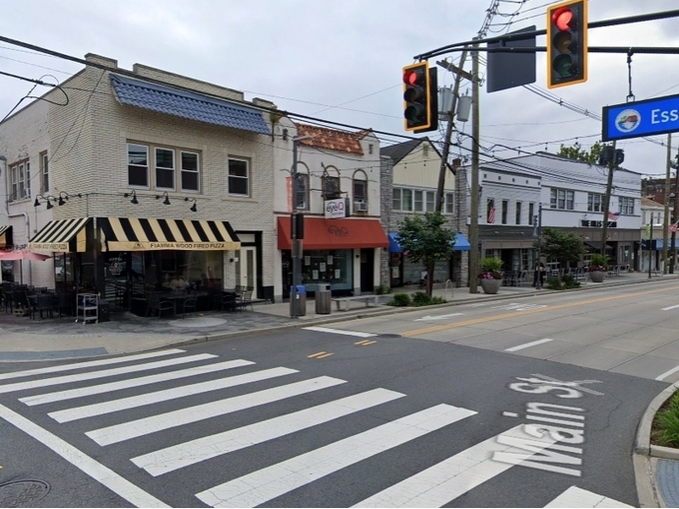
<point>325,266</point>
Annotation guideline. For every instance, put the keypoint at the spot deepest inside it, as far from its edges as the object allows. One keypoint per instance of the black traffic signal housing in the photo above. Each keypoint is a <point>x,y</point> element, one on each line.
<point>567,43</point>
<point>420,98</point>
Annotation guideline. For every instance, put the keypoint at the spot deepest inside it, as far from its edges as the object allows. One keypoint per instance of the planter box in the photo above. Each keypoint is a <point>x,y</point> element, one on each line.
<point>597,276</point>
<point>491,285</point>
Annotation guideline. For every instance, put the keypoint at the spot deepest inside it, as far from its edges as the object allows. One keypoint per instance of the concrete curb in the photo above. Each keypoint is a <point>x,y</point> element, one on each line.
<point>645,455</point>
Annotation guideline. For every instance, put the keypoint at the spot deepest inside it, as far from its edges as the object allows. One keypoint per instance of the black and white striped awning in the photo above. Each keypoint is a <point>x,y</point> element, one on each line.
<point>135,234</point>
<point>5,235</point>
<point>61,235</point>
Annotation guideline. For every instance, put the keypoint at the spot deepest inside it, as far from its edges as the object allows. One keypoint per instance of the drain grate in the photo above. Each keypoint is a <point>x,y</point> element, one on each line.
<point>22,493</point>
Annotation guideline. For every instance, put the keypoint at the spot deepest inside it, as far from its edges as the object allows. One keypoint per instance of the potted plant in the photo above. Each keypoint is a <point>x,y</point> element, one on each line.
<point>598,266</point>
<point>491,274</point>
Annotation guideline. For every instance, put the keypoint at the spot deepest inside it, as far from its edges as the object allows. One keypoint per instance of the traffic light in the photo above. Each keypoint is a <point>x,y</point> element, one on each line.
<point>420,98</point>
<point>567,43</point>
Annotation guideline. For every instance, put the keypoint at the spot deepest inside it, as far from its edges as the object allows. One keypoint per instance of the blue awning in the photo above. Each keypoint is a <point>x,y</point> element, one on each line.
<point>393,243</point>
<point>190,105</point>
<point>461,243</point>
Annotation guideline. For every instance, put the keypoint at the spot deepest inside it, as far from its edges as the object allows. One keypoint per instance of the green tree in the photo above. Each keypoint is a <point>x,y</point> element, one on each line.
<point>424,239</point>
<point>578,153</point>
<point>562,246</point>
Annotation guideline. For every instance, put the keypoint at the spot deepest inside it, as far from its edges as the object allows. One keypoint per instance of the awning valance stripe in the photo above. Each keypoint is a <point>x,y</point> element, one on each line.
<point>136,234</point>
<point>57,236</point>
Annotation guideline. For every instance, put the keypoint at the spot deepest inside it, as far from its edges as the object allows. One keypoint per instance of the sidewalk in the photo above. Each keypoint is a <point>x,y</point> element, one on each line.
<point>23,339</point>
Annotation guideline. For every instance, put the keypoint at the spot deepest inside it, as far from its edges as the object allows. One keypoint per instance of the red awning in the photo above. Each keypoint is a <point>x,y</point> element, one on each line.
<point>321,233</point>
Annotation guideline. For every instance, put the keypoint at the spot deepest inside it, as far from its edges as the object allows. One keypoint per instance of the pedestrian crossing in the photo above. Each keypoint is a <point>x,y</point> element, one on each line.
<point>163,389</point>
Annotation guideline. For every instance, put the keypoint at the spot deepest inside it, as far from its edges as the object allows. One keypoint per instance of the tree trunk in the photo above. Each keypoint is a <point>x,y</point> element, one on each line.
<point>430,278</point>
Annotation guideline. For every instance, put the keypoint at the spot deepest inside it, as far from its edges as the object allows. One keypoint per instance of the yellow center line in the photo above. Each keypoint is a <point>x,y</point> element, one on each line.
<point>474,321</point>
<point>315,355</point>
<point>325,355</point>
<point>369,343</point>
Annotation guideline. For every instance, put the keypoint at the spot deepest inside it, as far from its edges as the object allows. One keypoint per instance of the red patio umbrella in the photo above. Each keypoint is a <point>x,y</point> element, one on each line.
<point>22,254</point>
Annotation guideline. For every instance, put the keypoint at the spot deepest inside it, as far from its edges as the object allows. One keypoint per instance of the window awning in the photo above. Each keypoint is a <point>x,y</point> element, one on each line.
<point>5,235</point>
<point>461,243</point>
<point>320,233</point>
<point>61,235</point>
<point>595,244</point>
<point>135,234</point>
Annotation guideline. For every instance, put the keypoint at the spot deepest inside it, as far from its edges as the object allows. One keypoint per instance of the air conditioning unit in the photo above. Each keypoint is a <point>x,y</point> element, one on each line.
<point>360,206</point>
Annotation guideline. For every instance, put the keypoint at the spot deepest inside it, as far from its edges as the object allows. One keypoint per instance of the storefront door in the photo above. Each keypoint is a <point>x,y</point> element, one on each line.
<point>248,267</point>
<point>367,270</point>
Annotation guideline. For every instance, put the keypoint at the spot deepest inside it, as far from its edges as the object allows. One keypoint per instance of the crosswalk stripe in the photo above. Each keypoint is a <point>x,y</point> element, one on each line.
<point>455,476</point>
<point>577,497</point>
<point>89,364</point>
<point>188,453</point>
<point>152,424</point>
<point>107,477</point>
<point>342,332</point>
<point>263,485</point>
<point>92,375</point>
<point>51,397</point>
<point>107,407</point>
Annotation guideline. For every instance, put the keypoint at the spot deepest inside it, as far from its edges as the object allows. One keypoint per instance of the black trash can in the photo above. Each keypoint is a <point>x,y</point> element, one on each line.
<point>104,311</point>
<point>322,298</point>
<point>298,304</point>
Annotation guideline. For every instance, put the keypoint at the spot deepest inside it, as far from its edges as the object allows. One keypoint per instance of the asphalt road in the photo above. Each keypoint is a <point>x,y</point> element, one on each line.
<point>326,419</point>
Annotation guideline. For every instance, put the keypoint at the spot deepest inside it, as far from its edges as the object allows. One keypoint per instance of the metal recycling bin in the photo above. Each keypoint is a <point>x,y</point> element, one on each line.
<point>298,304</point>
<point>323,299</point>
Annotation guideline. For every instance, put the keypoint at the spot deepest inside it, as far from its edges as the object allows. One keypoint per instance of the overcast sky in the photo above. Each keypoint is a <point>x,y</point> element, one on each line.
<point>341,61</point>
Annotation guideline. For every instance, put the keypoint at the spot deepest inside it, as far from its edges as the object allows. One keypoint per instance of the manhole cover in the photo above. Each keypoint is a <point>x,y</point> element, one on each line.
<point>22,493</point>
<point>388,335</point>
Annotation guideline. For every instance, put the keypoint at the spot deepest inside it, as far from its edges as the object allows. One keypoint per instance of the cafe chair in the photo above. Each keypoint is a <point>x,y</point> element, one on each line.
<point>189,305</point>
<point>157,306</point>
<point>244,300</point>
<point>44,303</point>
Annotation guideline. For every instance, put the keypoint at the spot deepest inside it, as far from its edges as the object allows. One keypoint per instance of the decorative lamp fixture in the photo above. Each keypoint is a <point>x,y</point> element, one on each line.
<point>63,197</point>
<point>49,199</point>
<point>194,207</point>
<point>166,201</point>
<point>134,200</point>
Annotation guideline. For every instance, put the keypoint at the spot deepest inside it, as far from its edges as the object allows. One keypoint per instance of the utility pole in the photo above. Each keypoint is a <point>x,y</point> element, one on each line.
<point>675,218</point>
<point>666,219</point>
<point>449,129</point>
<point>607,200</point>
<point>474,203</point>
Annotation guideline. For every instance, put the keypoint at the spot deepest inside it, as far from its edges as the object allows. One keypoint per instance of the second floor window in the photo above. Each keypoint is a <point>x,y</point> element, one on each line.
<point>360,187</point>
<point>239,177</point>
<point>190,180</point>
<point>531,213</point>
<point>449,204</point>
<point>302,192</point>
<point>20,181</point>
<point>331,184</point>
<point>518,212</point>
<point>44,173</point>
<point>595,202</point>
<point>561,199</point>
<point>505,208</point>
<point>626,205</point>
<point>137,165</point>
<point>165,169</point>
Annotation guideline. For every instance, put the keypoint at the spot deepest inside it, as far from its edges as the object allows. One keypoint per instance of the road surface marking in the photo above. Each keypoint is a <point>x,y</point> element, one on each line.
<point>577,497</point>
<point>671,307</point>
<point>89,364</point>
<point>263,485</point>
<point>365,342</point>
<point>51,397</point>
<point>91,375</point>
<point>455,476</point>
<point>437,317</point>
<point>667,373</point>
<point>188,453</point>
<point>154,423</point>
<point>520,306</point>
<point>107,407</point>
<point>314,355</point>
<point>343,332</point>
<point>474,321</point>
<point>528,345</point>
<point>325,355</point>
<point>117,484</point>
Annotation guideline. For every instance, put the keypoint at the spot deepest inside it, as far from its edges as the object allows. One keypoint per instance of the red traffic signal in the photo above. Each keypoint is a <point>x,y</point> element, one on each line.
<point>567,43</point>
<point>420,98</point>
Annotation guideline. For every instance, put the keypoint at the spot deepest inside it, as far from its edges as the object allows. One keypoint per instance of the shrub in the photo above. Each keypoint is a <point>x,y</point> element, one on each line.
<point>382,289</point>
<point>598,262</point>
<point>569,281</point>
<point>553,283</point>
<point>667,423</point>
<point>421,299</point>
<point>437,300</point>
<point>400,299</point>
